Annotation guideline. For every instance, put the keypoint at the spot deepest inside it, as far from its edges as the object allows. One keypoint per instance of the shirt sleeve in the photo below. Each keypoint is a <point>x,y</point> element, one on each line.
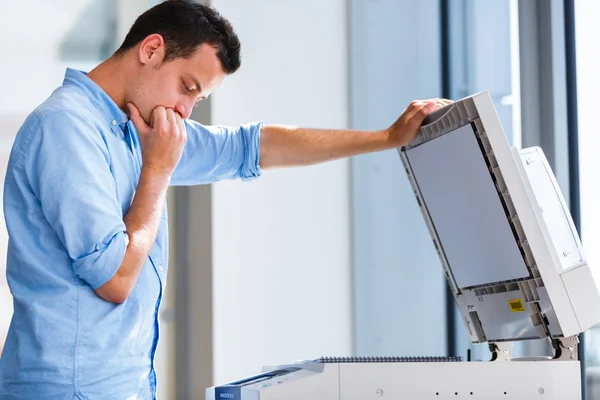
<point>68,167</point>
<point>214,153</point>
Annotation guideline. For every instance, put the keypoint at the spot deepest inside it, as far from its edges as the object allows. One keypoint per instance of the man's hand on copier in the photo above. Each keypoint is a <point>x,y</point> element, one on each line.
<point>407,126</point>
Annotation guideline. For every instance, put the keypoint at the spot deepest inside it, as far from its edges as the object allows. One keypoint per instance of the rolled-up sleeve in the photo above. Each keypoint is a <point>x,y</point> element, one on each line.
<point>68,168</point>
<point>214,153</point>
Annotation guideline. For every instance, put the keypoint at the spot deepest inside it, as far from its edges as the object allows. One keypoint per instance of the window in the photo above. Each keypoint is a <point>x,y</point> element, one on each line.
<point>586,16</point>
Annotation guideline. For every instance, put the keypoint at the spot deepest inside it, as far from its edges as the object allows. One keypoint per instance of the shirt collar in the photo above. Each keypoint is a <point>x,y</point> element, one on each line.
<point>97,96</point>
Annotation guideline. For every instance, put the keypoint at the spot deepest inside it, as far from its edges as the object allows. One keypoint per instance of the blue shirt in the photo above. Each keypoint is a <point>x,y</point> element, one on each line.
<point>72,175</point>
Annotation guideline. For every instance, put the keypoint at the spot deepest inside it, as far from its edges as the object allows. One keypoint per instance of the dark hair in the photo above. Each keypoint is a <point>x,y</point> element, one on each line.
<point>184,26</point>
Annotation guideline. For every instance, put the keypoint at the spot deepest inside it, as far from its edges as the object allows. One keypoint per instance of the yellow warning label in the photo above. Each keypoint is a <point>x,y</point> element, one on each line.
<point>516,305</point>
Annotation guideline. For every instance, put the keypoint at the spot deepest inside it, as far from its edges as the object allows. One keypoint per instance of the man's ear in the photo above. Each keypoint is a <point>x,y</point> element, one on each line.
<point>152,49</point>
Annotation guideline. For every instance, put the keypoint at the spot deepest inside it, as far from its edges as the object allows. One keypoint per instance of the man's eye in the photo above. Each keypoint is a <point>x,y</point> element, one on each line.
<point>187,88</point>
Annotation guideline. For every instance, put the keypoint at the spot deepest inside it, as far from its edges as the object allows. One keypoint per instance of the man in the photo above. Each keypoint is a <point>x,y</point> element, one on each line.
<point>84,200</point>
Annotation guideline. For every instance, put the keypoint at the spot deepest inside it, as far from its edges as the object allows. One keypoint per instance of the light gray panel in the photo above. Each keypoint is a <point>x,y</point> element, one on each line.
<point>192,265</point>
<point>489,49</point>
<point>480,56</point>
<point>543,83</point>
<point>465,209</point>
<point>92,37</point>
<point>398,280</point>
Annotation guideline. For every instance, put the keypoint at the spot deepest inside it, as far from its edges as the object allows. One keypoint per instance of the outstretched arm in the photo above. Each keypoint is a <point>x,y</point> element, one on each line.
<point>287,146</point>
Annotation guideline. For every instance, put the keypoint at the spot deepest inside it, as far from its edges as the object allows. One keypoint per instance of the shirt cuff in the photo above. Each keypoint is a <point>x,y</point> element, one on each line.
<point>101,266</point>
<point>251,167</point>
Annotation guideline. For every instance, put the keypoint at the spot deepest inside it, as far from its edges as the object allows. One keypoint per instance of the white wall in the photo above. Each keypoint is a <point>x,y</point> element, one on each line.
<point>282,243</point>
<point>30,68</point>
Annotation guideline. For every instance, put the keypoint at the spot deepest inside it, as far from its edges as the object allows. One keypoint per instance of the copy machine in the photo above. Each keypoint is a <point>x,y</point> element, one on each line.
<point>512,258</point>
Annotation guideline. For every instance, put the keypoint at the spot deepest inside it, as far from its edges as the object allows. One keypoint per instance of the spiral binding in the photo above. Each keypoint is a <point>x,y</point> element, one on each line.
<point>330,360</point>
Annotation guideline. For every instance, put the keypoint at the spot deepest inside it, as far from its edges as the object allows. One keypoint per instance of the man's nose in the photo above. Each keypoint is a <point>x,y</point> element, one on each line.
<point>184,109</point>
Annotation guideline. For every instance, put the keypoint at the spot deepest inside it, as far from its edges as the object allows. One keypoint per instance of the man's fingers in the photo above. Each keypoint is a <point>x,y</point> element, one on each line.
<point>159,117</point>
<point>170,114</point>
<point>414,108</point>
<point>423,112</point>
<point>171,117</point>
<point>181,123</point>
<point>176,124</point>
<point>439,104</point>
<point>418,108</point>
<point>444,102</point>
<point>137,119</point>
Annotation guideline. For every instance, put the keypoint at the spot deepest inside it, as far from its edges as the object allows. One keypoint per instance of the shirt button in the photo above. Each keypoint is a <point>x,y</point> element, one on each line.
<point>114,122</point>
<point>160,268</point>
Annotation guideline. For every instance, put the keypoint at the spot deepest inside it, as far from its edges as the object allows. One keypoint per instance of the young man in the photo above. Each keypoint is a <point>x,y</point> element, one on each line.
<point>85,193</point>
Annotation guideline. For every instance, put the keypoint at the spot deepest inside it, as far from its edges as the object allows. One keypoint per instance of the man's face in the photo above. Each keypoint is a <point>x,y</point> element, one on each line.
<point>178,84</point>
